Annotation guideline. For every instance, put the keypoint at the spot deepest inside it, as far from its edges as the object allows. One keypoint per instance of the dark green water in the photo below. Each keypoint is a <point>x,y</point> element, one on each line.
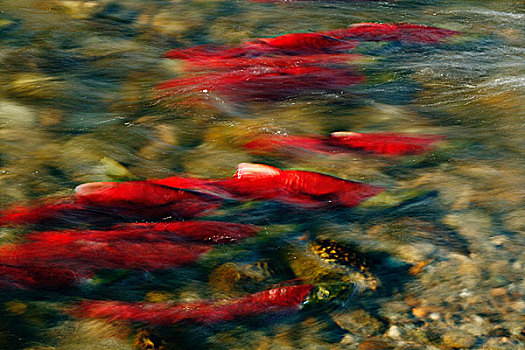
<point>78,104</point>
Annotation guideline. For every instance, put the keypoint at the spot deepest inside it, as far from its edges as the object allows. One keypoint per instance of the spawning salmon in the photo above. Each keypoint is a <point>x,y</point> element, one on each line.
<point>205,312</point>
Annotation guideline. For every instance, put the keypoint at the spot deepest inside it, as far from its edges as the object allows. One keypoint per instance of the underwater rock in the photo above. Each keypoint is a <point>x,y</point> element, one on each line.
<point>497,185</point>
<point>79,9</point>
<point>238,132</point>
<point>14,115</point>
<point>472,224</point>
<point>458,339</point>
<point>416,241</point>
<point>232,29</point>
<point>359,322</point>
<point>386,117</point>
<point>92,335</point>
<point>454,191</point>
<point>223,280</point>
<point>85,158</point>
<point>175,23</point>
<point>115,170</point>
<point>115,18</point>
<point>35,86</point>
<point>232,279</point>
<point>7,24</point>
<point>500,343</point>
<point>28,167</point>
<point>211,162</point>
<point>393,332</point>
<point>148,340</point>
<point>413,253</point>
<point>375,344</point>
<point>163,143</point>
<point>49,117</point>
<point>515,220</point>
<point>158,297</point>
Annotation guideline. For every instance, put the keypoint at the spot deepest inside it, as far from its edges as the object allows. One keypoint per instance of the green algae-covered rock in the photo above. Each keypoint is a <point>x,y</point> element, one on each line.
<point>391,198</point>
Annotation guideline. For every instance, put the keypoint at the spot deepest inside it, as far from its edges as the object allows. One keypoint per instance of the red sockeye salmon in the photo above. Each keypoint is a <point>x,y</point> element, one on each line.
<point>215,232</point>
<point>265,82</point>
<point>287,298</point>
<point>85,254</point>
<point>51,209</point>
<point>270,61</point>
<point>29,275</point>
<point>283,144</point>
<point>316,43</point>
<point>130,200</point>
<point>304,188</point>
<point>288,44</point>
<point>396,144</point>
<point>144,199</point>
<point>156,199</point>
<point>410,33</point>
<point>385,143</point>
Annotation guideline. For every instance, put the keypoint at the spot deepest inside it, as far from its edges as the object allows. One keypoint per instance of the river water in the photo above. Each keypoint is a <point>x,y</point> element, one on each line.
<point>80,102</point>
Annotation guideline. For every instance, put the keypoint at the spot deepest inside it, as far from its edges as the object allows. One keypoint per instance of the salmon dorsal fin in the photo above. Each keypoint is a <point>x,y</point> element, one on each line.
<point>250,170</point>
<point>363,24</point>
<point>345,134</point>
<point>92,187</point>
<point>371,24</point>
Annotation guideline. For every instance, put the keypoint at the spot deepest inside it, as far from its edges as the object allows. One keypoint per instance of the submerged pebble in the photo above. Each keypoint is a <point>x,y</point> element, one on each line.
<point>455,339</point>
<point>15,115</point>
<point>359,322</point>
<point>78,9</point>
<point>92,334</point>
<point>34,86</point>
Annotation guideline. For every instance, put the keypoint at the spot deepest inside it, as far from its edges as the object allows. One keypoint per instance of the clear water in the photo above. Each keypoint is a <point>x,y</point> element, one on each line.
<point>78,104</point>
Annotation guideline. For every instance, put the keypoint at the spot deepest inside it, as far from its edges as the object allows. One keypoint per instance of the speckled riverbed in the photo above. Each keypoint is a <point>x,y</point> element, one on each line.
<point>78,104</point>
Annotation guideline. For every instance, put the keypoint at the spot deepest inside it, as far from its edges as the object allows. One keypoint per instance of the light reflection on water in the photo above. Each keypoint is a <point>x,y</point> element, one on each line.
<point>78,104</point>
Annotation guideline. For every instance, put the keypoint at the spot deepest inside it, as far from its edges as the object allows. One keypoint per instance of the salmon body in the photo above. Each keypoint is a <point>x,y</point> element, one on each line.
<point>143,199</point>
<point>305,43</point>
<point>271,61</point>
<point>385,143</point>
<point>271,144</point>
<point>24,275</point>
<point>269,301</point>
<point>86,254</point>
<point>304,188</point>
<point>205,231</point>
<point>264,82</point>
<point>128,200</point>
<point>288,44</point>
<point>215,232</point>
<point>316,43</point>
<point>396,144</point>
<point>31,214</point>
<point>410,33</point>
<point>64,258</point>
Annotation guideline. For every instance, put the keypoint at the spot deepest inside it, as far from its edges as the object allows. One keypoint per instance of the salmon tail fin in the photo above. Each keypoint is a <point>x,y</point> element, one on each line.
<point>33,214</point>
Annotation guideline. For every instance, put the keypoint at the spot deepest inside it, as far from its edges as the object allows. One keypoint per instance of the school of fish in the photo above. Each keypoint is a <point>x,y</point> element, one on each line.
<point>153,221</point>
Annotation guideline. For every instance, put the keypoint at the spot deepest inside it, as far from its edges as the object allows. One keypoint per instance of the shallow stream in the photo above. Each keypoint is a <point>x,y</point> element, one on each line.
<point>80,102</point>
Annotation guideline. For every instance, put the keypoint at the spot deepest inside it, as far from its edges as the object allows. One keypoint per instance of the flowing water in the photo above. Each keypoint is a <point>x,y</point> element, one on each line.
<point>79,102</point>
